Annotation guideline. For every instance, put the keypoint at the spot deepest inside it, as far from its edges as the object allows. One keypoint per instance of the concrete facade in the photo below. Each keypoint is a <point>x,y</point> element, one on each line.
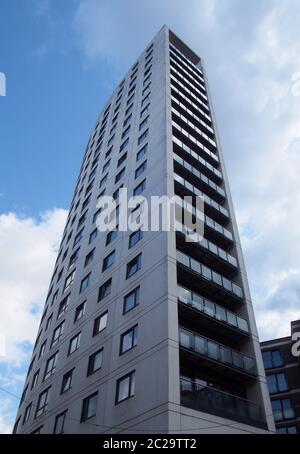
<point>159,359</point>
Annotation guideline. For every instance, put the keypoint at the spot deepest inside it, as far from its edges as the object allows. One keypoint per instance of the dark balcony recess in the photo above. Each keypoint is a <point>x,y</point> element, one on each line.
<point>219,403</point>
<point>203,353</point>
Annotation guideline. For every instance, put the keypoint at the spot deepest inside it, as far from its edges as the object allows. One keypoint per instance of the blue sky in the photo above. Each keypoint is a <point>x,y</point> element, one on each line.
<point>63,58</point>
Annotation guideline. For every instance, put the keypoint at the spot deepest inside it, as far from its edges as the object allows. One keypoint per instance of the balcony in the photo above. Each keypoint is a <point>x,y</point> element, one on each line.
<point>209,186</point>
<point>216,231</point>
<point>209,280</point>
<point>219,403</point>
<point>202,311</point>
<point>208,252</point>
<point>212,207</point>
<point>215,355</point>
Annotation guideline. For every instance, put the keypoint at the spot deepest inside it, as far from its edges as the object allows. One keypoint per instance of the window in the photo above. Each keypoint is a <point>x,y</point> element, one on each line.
<point>74,343</point>
<point>78,237</point>
<point>126,132</point>
<point>49,321</point>
<point>93,235</point>
<point>116,194</point>
<point>112,235</point>
<point>125,387</point>
<point>133,266</point>
<point>108,261</point>
<point>100,323</point>
<point>128,340</point>
<point>131,300</point>
<point>27,413</point>
<point>145,110</point>
<point>63,306</point>
<point>129,100</point>
<point>120,175</point>
<point>79,311</point>
<point>95,362</point>
<point>85,282</point>
<point>89,257</point>
<point>104,290</point>
<point>43,402</point>
<point>97,214</point>
<point>135,237</point>
<point>141,153</point>
<point>142,138</point>
<point>50,366</point>
<point>89,407</point>
<point>122,159</point>
<point>69,280</point>
<point>113,136</point>
<point>287,430</point>
<point>277,383</point>
<point>141,169</point>
<point>82,219</point>
<point>67,381</point>
<point>139,188</point>
<point>103,181</point>
<point>143,123</point>
<point>124,145</point>
<point>272,359</point>
<point>57,334</point>
<point>129,109</point>
<point>145,100</point>
<point>282,409</point>
<point>43,348</point>
<point>108,152</point>
<point>144,91</point>
<point>126,121</point>
<point>35,379</point>
<point>60,422</point>
<point>106,165</point>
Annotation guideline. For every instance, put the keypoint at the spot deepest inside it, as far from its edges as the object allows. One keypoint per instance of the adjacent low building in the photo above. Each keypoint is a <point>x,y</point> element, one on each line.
<point>283,377</point>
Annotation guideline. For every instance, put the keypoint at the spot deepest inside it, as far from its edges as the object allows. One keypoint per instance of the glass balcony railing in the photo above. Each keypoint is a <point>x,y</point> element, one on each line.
<point>206,244</point>
<point>188,100</point>
<point>211,400</point>
<point>199,175</point>
<point>197,71</point>
<point>207,220</point>
<point>211,349</point>
<point>196,156</point>
<point>209,274</point>
<point>174,68</point>
<point>197,191</point>
<point>187,91</point>
<point>212,154</point>
<point>194,128</point>
<point>191,114</point>
<point>211,309</point>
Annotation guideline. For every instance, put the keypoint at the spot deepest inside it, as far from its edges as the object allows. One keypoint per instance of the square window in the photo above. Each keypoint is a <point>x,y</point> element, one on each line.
<point>131,300</point>
<point>100,323</point>
<point>139,188</point>
<point>141,169</point>
<point>43,402</point>
<point>104,290</point>
<point>74,344</point>
<point>133,266</point>
<point>128,340</point>
<point>95,362</point>
<point>125,387</point>
<point>60,422</point>
<point>89,407</point>
<point>67,381</point>
<point>79,311</point>
<point>135,237</point>
<point>108,261</point>
<point>85,283</point>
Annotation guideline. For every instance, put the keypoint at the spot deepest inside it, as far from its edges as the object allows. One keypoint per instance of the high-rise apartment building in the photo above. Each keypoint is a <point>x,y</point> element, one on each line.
<point>283,378</point>
<point>145,332</point>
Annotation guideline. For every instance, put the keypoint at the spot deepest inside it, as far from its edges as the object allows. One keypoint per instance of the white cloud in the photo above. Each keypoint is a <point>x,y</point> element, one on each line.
<point>28,251</point>
<point>251,55</point>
